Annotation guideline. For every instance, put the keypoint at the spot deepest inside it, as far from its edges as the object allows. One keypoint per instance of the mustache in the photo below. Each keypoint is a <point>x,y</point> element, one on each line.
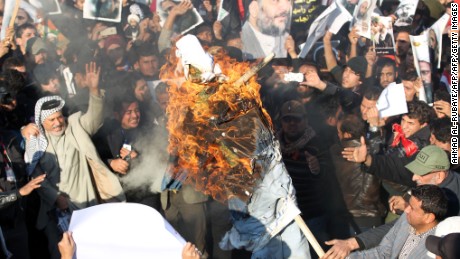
<point>283,14</point>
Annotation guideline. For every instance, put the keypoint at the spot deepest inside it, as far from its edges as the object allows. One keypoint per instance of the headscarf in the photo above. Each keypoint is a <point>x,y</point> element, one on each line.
<point>37,145</point>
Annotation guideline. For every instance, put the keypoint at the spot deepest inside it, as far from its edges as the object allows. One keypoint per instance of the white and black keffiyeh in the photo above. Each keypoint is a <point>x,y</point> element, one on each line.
<point>37,145</point>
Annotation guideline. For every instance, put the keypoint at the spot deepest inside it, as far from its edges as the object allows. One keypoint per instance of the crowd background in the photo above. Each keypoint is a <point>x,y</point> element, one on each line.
<point>331,108</point>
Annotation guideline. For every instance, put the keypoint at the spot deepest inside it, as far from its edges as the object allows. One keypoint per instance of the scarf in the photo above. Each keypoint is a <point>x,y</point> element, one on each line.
<point>409,146</point>
<point>37,145</point>
<point>288,148</point>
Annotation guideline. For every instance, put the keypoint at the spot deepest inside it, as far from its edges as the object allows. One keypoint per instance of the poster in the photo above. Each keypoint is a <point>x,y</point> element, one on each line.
<point>333,18</point>
<point>382,35</point>
<point>405,12</point>
<point>422,64</point>
<point>266,28</point>
<point>183,23</point>
<point>103,10</point>
<point>362,17</point>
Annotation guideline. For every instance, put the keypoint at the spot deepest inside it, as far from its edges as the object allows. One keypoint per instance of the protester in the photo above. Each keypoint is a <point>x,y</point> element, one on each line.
<point>70,164</point>
<point>427,207</point>
<point>45,53</point>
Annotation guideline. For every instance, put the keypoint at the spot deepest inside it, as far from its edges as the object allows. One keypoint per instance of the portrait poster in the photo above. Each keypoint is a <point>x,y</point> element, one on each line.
<point>50,7</point>
<point>434,35</point>
<point>266,28</point>
<point>183,23</point>
<point>422,64</point>
<point>405,12</point>
<point>103,10</point>
<point>8,11</point>
<point>362,17</point>
<point>332,19</point>
<point>382,35</point>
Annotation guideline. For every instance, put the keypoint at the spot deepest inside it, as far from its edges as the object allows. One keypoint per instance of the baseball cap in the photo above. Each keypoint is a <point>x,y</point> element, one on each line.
<point>430,158</point>
<point>294,109</point>
<point>447,247</point>
<point>358,65</point>
<point>35,45</point>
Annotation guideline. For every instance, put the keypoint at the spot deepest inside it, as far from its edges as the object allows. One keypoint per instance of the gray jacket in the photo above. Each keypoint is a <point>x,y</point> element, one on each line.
<point>393,242</point>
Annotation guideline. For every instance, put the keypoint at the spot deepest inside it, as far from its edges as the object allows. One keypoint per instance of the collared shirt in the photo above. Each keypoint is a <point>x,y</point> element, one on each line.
<point>413,241</point>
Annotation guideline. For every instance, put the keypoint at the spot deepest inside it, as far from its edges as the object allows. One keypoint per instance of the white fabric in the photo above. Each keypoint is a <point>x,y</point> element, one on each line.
<point>38,144</point>
<point>190,52</point>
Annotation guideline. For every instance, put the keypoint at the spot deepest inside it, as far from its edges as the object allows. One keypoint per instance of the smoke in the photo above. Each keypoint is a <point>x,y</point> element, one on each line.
<point>148,169</point>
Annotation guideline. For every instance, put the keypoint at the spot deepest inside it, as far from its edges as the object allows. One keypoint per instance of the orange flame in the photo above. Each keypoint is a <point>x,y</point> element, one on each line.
<point>212,130</point>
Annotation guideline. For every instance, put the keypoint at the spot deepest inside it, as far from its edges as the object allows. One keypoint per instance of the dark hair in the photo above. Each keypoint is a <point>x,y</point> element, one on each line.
<point>232,36</point>
<point>372,93</point>
<point>420,110</point>
<point>440,128</point>
<point>408,74</point>
<point>433,199</point>
<point>353,125</point>
<point>142,50</point>
<point>384,62</point>
<point>132,80</point>
<point>21,28</point>
<point>12,62</point>
<point>329,106</point>
<point>311,64</point>
<point>15,80</point>
<point>398,29</point>
<point>441,95</point>
<point>127,98</point>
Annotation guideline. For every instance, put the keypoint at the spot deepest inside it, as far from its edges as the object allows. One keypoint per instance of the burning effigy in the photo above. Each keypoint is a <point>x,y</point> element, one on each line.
<point>223,143</point>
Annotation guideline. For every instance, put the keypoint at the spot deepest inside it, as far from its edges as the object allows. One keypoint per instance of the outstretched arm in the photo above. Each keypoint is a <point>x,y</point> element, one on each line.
<point>92,120</point>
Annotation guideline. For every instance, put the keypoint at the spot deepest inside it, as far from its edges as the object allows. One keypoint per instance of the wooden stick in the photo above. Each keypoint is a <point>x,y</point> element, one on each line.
<point>310,237</point>
<point>251,72</point>
<point>14,14</point>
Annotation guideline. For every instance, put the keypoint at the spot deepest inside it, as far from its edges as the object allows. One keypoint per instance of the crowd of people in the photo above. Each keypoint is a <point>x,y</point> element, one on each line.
<point>84,121</point>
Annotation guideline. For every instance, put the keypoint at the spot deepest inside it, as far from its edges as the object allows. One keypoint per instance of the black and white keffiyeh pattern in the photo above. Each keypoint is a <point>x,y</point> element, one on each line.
<point>37,145</point>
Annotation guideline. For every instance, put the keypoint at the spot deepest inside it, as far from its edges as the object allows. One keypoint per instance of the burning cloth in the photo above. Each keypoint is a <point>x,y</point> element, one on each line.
<point>224,144</point>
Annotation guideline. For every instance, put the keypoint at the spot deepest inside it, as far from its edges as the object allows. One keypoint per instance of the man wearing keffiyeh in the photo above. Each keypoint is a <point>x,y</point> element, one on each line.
<point>62,149</point>
<point>408,139</point>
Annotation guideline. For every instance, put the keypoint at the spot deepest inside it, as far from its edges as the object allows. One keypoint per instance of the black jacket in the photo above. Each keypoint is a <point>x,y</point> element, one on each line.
<point>361,191</point>
<point>11,202</point>
<point>391,166</point>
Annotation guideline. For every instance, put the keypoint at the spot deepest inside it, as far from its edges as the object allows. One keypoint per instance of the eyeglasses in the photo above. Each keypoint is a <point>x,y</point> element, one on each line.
<point>289,119</point>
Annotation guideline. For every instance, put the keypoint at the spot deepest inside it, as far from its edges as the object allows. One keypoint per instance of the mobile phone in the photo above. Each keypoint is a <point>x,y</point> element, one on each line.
<point>108,31</point>
<point>127,146</point>
<point>293,77</point>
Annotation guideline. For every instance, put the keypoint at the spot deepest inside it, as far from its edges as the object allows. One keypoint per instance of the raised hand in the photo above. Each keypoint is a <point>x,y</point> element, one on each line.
<point>92,77</point>
<point>356,154</point>
<point>32,185</point>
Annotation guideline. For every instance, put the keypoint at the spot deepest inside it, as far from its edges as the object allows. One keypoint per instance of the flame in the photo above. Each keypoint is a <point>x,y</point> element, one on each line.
<point>213,128</point>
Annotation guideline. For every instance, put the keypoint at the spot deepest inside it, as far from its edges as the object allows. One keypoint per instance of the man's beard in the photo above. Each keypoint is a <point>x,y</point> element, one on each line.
<point>266,24</point>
